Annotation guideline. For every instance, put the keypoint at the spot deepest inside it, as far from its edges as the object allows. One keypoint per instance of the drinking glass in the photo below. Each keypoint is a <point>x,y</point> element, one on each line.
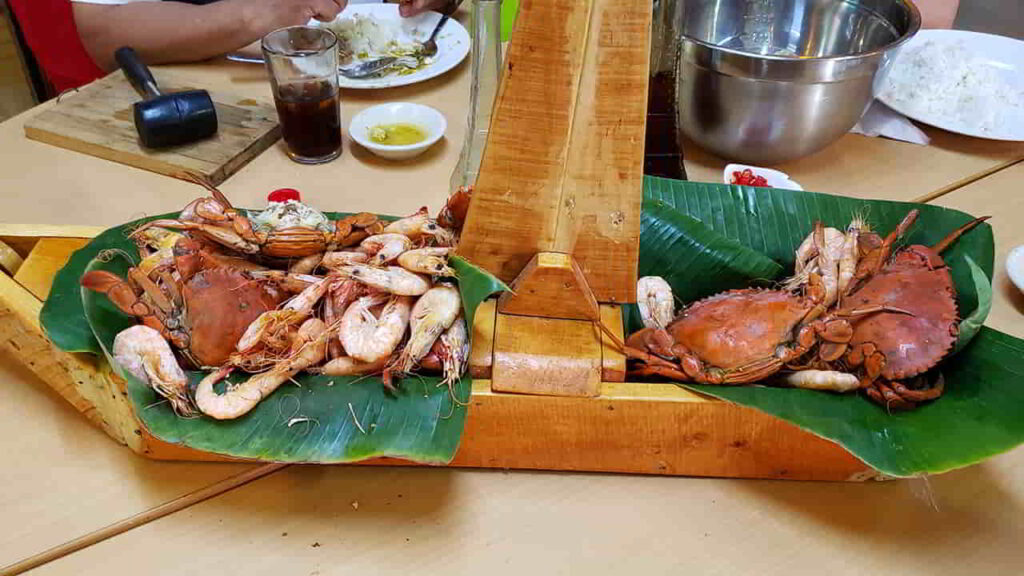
<point>303,66</point>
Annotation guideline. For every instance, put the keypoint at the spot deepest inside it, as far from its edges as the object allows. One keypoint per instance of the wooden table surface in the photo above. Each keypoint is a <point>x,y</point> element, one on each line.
<point>64,480</point>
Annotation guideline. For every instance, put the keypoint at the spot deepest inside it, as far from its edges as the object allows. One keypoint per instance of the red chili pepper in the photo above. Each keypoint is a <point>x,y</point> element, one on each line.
<point>283,194</point>
<point>747,178</point>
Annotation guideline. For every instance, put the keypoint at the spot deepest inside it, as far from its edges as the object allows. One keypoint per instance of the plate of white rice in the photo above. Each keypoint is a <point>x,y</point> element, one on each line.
<point>368,31</point>
<point>964,82</point>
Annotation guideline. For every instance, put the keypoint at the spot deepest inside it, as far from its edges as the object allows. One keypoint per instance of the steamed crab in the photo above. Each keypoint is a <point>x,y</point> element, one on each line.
<point>894,318</point>
<point>288,229</point>
<point>281,291</point>
<point>197,301</point>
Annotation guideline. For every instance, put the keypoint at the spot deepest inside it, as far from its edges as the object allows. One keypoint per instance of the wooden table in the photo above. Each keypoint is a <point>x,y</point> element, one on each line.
<point>64,480</point>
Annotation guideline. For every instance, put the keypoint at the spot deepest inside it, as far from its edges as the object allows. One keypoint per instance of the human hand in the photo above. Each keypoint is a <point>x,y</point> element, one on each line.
<point>265,16</point>
<point>409,8</point>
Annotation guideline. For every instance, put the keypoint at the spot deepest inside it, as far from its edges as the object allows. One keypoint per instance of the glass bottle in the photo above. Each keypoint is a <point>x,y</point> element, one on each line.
<point>485,75</point>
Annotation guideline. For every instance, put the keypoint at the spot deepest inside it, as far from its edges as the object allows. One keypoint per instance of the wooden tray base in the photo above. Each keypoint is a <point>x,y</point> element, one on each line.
<point>627,427</point>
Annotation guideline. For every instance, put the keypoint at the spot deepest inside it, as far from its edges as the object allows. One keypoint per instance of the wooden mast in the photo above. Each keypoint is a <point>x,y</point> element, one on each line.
<point>556,208</point>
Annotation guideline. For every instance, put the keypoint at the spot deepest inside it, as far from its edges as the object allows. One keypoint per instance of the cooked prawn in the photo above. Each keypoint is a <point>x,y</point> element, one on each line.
<point>384,248</point>
<point>305,265</point>
<point>820,253</point>
<point>267,327</point>
<point>807,252</point>
<point>433,260</point>
<point>455,350</point>
<point>342,292</point>
<point>420,225</point>
<point>433,313</point>
<point>370,338</point>
<point>145,354</point>
<point>334,260</point>
<point>308,349</point>
<point>349,366</point>
<point>655,301</point>
<point>393,279</point>
<point>849,256</point>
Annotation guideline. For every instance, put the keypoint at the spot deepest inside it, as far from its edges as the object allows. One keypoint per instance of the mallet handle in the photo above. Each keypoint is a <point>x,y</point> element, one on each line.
<point>137,72</point>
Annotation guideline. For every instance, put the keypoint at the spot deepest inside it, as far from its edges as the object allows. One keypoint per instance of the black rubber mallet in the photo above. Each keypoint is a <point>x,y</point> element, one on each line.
<point>166,119</point>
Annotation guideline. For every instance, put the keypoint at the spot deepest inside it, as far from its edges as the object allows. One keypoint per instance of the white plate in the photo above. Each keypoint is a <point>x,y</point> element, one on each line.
<point>1015,267</point>
<point>453,45</point>
<point>1002,57</point>
<point>775,178</point>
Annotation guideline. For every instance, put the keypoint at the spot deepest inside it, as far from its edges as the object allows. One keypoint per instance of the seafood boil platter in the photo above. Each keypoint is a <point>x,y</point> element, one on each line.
<point>564,313</point>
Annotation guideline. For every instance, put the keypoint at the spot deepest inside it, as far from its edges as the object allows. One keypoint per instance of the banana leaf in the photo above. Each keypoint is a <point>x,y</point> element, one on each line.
<point>313,419</point>
<point>979,414</point>
<point>693,259</point>
<point>774,222</point>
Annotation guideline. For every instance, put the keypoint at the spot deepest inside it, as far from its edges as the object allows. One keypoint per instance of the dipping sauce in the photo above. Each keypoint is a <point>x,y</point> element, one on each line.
<point>400,134</point>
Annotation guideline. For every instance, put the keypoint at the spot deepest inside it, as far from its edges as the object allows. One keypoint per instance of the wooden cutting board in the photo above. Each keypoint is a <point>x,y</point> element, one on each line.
<point>97,120</point>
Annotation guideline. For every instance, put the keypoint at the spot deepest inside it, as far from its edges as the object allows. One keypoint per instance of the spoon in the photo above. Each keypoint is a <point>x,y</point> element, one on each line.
<point>429,48</point>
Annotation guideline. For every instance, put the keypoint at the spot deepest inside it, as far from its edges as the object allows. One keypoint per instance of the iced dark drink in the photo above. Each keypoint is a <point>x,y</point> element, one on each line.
<point>310,120</point>
<point>303,66</point>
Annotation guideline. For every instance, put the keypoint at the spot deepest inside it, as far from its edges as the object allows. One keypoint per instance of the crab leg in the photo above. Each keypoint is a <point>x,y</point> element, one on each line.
<point>218,234</point>
<point>952,237</point>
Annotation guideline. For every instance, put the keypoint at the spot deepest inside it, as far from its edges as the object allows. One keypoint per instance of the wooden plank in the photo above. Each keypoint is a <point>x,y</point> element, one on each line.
<point>10,260</point>
<point>481,355</point>
<point>553,286</point>
<point>79,379</point>
<point>47,257</point>
<point>638,428</point>
<point>613,361</point>
<point>516,197</point>
<point>85,381</point>
<point>32,232</point>
<point>603,180</point>
<point>546,356</point>
<point>646,429</point>
<point>98,121</point>
<point>525,354</point>
<point>100,395</point>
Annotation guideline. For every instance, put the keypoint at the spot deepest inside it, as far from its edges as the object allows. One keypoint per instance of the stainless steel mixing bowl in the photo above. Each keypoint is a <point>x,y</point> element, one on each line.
<point>766,81</point>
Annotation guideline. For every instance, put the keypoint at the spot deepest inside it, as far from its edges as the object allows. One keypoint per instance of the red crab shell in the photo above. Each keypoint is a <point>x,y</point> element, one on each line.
<point>734,328</point>
<point>916,280</point>
<point>220,303</point>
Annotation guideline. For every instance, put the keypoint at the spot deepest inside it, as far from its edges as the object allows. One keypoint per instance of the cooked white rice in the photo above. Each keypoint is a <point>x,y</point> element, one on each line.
<point>932,80</point>
<point>366,37</point>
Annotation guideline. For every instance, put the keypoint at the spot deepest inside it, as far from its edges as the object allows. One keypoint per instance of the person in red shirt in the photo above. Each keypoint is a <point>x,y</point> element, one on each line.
<point>74,41</point>
<point>184,31</point>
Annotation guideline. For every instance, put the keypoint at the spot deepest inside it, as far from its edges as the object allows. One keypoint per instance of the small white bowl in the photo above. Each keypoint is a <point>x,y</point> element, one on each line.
<point>1015,267</point>
<point>425,117</point>
<point>775,178</point>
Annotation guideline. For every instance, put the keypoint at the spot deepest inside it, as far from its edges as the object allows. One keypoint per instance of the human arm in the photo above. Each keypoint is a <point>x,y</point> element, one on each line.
<point>163,32</point>
<point>937,13</point>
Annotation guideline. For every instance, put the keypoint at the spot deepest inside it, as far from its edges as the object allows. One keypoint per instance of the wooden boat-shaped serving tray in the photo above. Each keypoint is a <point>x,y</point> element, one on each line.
<point>630,427</point>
